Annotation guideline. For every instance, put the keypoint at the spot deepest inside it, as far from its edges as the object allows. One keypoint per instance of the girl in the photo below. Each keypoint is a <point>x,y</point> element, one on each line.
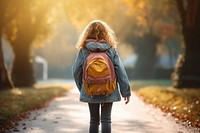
<point>98,34</point>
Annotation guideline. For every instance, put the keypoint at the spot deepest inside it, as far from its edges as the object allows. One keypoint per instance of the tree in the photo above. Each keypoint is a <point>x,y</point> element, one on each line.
<point>187,72</point>
<point>5,82</point>
<point>4,78</point>
<point>144,34</point>
<point>145,48</point>
<point>27,25</point>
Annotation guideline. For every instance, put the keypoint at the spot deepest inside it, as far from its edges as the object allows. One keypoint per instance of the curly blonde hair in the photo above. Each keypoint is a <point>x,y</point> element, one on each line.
<point>97,30</point>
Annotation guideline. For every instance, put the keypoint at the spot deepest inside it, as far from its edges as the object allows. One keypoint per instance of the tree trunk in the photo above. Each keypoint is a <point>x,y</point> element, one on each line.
<point>22,71</point>
<point>146,52</point>
<point>187,73</point>
<point>4,79</point>
<point>187,69</point>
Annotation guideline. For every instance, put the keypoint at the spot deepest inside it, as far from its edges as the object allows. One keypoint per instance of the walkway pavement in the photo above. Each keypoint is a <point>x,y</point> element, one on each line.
<point>68,115</point>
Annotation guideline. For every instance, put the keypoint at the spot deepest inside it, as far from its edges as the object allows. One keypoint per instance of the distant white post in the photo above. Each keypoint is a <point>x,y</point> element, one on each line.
<point>39,59</point>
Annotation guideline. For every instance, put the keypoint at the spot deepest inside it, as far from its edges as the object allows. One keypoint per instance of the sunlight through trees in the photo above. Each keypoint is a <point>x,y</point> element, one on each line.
<point>142,25</point>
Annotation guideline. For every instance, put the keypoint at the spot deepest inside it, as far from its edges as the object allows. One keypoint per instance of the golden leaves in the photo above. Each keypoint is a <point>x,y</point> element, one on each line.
<point>182,104</point>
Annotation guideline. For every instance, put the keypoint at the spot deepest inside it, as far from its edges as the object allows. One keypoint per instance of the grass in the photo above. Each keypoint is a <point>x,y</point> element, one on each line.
<point>138,84</point>
<point>16,103</point>
<point>183,104</point>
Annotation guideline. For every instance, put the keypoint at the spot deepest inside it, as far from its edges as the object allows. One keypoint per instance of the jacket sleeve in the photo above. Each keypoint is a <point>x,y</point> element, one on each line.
<point>77,69</point>
<point>121,75</point>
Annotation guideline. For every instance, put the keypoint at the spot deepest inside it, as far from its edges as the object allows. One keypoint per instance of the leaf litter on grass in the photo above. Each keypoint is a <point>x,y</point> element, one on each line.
<point>183,104</point>
<point>16,103</point>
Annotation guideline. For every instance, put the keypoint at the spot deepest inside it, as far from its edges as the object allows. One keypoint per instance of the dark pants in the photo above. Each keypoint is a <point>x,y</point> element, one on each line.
<point>105,117</point>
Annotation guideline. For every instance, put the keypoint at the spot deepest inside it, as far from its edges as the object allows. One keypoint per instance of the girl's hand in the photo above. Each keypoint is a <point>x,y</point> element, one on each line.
<point>127,99</point>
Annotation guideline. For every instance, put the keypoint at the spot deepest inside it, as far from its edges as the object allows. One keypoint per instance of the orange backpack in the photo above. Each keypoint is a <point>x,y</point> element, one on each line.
<point>98,74</point>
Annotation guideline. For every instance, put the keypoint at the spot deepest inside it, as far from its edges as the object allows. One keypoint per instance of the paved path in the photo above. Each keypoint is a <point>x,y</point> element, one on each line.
<point>68,115</point>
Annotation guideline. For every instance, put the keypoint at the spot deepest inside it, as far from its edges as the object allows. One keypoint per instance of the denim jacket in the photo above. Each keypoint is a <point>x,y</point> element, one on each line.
<point>122,87</point>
